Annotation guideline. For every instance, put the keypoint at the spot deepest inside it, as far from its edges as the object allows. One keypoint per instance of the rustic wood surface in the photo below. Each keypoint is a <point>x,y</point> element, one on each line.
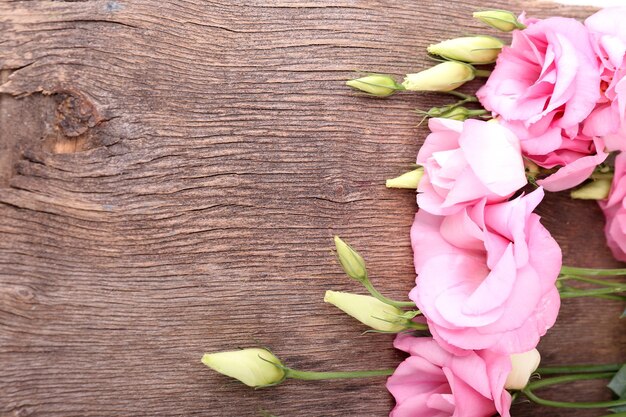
<point>171,175</point>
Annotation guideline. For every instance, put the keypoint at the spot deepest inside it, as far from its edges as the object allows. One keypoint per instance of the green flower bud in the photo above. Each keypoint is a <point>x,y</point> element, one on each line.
<point>350,260</point>
<point>595,190</point>
<point>499,19</point>
<point>522,367</point>
<point>457,113</point>
<point>368,310</point>
<point>376,85</point>
<point>255,367</point>
<point>408,180</point>
<point>454,112</point>
<point>442,77</point>
<point>470,49</point>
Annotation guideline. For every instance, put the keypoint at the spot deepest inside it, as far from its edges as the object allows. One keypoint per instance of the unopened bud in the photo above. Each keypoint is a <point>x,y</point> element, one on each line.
<point>595,190</point>
<point>470,49</point>
<point>255,367</point>
<point>500,19</point>
<point>442,77</point>
<point>352,263</point>
<point>376,85</point>
<point>408,180</point>
<point>523,366</point>
<point>459,113</point>
<point>368,310</point>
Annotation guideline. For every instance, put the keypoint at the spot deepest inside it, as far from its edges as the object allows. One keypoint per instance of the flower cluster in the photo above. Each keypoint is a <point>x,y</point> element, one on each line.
<point>489,276</point>
<point>486,272</point>
<point>561,87</point>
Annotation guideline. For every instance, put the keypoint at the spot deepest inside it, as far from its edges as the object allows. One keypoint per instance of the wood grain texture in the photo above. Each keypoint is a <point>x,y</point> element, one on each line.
<point>171,175</point>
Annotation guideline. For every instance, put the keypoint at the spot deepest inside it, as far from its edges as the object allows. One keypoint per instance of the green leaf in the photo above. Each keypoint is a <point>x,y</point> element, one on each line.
<point>618,383</point>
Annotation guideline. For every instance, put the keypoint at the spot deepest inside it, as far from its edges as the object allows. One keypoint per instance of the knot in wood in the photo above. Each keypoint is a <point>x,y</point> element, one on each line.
<point>75,115</point>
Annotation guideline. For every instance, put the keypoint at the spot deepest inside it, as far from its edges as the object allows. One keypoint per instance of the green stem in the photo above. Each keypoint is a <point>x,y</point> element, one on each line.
<point>375,293</point>
<point>592,272</point>
<point>528,391</point>
<point>592,281</point>
<point>577,369</point>
<point>460,95</point>
<point>416,326</point>
<point>483,112</point>
<point>460,103</point>
<point>573,293</point>
<point>623,414</point>
<point>610,297</point>
<point>319,376</point>
<point>482,73</point>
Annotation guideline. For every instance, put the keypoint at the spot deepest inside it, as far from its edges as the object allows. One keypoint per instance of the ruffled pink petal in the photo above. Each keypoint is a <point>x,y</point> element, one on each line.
<point>494,154</point>
<point>573,174</point>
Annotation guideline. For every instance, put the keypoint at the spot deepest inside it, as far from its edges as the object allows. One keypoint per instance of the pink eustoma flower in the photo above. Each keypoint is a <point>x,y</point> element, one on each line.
<point>614,209</point>
<point>608,35</point>
<point>433,382</point>
<point>465,162</point>
<point>486,275</point>
<point>544,86</point>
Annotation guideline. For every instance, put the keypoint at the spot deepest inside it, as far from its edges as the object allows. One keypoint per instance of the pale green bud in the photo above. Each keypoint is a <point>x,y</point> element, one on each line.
<point>454,112</point>
<point>523,366</point>
<point>255,367</point>
<point>350,260</point>
<point>376,85</point>
<point>368,310</point>
<point>595,190</point>
<point>408,180</point>
<point>499,19</point>
<point>470,49</point>
<point>442,77</point>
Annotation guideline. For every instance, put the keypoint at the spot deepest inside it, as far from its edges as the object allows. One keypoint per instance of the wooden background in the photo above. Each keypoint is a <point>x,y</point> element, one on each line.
<point>171,176</point>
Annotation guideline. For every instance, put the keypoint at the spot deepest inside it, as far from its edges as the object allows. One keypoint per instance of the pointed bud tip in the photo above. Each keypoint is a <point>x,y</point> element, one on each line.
<point>478,50</point>
<point>408,180</point>
<point>368,310</point>
<point>255,367</point>
<point>502,20</point>
<point>375,85</point>
<point>446,76</point>
<point>350,260</point>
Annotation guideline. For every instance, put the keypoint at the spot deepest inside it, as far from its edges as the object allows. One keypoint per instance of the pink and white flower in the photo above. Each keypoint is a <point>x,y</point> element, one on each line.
<point>486,275</point>
<point>614,209</point>
<point>465,162</point>
<point>608,36</point>
<point>544,87</point>
<point>434,382</point>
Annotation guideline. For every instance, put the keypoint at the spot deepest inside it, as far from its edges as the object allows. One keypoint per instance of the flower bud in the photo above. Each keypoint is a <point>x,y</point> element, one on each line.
<point>500,19</point>
<point>254,367</point>
<point>471,49</point>
<point>523,366</point>
<point>442,77</point>
<point>368,310</point>
<point>595,190</point>
<point>408,180</point>
<point>350,260</point>
<point>376,85</point>
<point>454,112</point>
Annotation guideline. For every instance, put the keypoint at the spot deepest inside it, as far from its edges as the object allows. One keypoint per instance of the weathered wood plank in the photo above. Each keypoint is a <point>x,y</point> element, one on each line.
<point>170,184</point>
